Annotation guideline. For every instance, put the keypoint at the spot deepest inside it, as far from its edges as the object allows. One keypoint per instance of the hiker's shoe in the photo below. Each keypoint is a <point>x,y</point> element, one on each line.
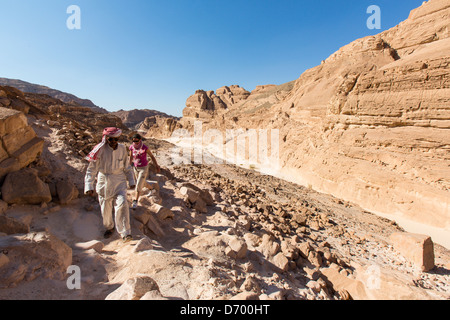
<point>127,238</point>
<point>108,233</point>
<point>134,204</point>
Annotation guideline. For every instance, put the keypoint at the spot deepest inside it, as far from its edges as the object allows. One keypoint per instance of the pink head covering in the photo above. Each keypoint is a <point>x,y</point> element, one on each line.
<point>112,132</point>
<point>107,132</point>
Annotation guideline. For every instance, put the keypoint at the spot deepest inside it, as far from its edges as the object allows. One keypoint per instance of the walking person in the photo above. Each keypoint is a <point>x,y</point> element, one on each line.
<point>139,160</point>
<point>108,162</point>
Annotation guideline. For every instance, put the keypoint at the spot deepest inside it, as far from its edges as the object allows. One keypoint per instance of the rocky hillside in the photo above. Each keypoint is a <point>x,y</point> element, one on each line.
<point>201,232</point>
<point>40,89</point>
<point>369,125</point>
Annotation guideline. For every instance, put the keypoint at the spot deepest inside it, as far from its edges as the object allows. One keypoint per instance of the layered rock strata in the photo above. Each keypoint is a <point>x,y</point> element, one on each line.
<point>369,125</point>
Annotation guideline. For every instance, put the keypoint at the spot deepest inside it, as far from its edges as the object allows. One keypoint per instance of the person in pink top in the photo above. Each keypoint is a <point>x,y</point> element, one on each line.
<point>138,159</point>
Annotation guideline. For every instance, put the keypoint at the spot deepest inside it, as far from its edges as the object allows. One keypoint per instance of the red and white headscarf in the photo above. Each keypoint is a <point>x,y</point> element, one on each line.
<point>107,132</point>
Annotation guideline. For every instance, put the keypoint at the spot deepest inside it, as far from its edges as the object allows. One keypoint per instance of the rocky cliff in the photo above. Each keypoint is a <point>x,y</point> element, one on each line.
<point>369,125</point>
<point>133,119</point>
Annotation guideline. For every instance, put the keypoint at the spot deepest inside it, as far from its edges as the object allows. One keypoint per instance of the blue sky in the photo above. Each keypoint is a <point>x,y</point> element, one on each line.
<point>155,54</point>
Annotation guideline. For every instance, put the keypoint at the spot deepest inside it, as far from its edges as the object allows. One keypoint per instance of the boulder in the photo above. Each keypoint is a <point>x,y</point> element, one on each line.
<point>13,141</point>
<point>143,245</point>
<point>28,152</point>
<point>25,187</point>
<point>94,244</point>
<point>200,206</point>
<point>239,247</point>
<point>281,262</point>
<point>134,289</point>
<point>268,247</point>
<point>141,214</point>
<point>204,193</point>
<point>161,212</point>
<point>3,207</point>
<point>416,248</point>
<point>153,295</point>
<point>66,191</point>
<point>153,226</point>
<point>11,120</point>
<point>12,226</point>
<point>32,255</point>
<point>191,194</point>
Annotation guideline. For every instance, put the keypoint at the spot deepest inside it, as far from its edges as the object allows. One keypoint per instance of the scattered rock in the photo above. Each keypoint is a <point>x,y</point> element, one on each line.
<point>250,285</point>
<point>281,262</point>
<point>239,247</point>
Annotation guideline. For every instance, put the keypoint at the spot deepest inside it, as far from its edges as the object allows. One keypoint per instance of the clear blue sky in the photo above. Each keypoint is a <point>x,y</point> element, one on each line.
<point>155,54</point>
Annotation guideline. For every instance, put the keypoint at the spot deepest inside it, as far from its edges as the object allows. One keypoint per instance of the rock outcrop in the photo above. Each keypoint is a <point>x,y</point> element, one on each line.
<point>369,125</point>
<point>20,145</point>
<point>134,118</point>
<point>158,127</point>
<point>205,104</point>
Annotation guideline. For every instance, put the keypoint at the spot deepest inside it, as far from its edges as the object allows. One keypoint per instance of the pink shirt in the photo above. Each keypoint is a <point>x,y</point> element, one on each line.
<point>139,155</point>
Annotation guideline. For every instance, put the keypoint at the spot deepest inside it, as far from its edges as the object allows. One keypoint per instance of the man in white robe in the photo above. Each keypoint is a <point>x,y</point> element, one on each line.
<point>109,163</point>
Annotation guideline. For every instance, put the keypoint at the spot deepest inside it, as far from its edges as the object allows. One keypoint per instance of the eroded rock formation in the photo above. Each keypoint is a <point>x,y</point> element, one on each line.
<point>369,125</point>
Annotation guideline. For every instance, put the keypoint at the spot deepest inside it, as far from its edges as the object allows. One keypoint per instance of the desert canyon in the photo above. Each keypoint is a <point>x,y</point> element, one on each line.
<point>364,146</point>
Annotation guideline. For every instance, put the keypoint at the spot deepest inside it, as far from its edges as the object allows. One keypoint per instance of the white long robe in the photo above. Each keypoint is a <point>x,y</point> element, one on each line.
<point>112,170</point>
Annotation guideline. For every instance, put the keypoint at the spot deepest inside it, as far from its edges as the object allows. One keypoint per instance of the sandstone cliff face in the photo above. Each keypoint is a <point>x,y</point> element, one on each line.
<point>205,104</point>
<point>369,125</point>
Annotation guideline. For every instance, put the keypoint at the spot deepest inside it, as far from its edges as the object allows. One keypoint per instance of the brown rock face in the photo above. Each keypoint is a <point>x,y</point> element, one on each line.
<point>20,145</point>
<point>369,125</point>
